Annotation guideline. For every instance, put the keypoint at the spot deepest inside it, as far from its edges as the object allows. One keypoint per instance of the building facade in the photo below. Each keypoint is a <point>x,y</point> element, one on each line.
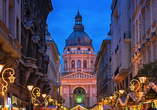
<point>144,33</point>
<point>78,77</point>
<point>138,38</point>
<point>23,48</point>
<point>121,43</point>
<point>10,45</point>
<point>103,70</point>
<point>54,66</point>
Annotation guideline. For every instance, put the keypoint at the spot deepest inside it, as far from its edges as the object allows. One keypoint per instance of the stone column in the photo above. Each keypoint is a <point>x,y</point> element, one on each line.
<point>87,100</point>
<point>71,101</point>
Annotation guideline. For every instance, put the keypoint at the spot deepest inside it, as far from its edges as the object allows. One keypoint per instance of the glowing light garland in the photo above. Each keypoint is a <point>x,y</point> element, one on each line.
<point>48,98</point>
<point>34,97</point>
<point>133,82</point>
<point>141,97</point>
<point>116,94</point>
<point>11,79</point>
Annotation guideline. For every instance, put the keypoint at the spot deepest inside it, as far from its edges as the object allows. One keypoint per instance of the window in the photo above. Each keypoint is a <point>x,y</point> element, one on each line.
<point>4,11</point>
<point>126,82</point>
<point>78,49</point>
<point>84,64</point>
<point>17,29</point>
<point>123,83</point>
<point>73,64</point>
<point>136,4</point>
<point>65,64</point>
<point>155,52</point>
<point>92,63</point>
<point>149,55</point>
<point>140,27</point>
<point>144,26</point>
<point>130,76</point>
<point>78,64</point>
<point>154,11</point>
<point>79,39</point>
<point>148,19</point>
<point>144,59</point>
<point>137,32</point>
<point>68,49</point>
<point>119,33</point>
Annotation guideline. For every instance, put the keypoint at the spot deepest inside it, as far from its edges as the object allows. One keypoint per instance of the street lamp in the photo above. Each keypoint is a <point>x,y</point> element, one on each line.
<point>30,87</point>
<point>142,80</point>
<point>11,79</point>
<point>121,91</point>
<point>44,95</point>
<point>1,67</point>
<point>111,97</point>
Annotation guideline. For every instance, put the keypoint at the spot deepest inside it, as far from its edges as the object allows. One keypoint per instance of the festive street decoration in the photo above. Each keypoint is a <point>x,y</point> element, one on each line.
<point>11,79</point>
<point>134,82</point>
<point>34,97</point>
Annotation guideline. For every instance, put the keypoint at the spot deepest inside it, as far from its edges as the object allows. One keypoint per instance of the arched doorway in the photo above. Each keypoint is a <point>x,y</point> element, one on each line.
<point>79,97</point>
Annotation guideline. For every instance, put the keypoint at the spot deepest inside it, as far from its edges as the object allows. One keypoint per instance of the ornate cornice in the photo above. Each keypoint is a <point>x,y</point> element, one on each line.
<point>154,24</point>
<point>144,36</point>
<point>137,10</point>
<point>147,3</point>
<point>148,31</point>
<point>143,11</point>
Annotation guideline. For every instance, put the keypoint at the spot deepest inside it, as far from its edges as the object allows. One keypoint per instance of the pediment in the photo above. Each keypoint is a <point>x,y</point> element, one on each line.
<point>79,75</point>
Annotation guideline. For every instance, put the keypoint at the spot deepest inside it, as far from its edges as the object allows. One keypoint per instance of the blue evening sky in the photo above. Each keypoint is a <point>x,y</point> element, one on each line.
<point>96,16</point>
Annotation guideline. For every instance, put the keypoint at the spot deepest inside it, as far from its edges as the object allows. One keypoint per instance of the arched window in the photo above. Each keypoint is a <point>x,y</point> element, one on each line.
<point>65,64</point>
<point>84,64</point>
<point>78,64</point>
<point>92,63</point>
<point>73,64</point>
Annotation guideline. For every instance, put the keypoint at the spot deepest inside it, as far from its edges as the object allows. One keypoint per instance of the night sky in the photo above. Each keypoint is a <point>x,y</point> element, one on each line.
<point>96,16</point>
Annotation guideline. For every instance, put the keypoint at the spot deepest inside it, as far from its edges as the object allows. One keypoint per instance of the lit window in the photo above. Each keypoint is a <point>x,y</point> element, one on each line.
<point>73,64</point>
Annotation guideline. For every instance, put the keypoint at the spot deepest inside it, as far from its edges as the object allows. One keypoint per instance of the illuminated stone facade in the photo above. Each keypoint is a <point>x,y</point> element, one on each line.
<point>78,77</point>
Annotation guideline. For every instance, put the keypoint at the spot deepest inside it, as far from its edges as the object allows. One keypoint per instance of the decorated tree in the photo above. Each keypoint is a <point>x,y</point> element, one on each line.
<point>149,70</point>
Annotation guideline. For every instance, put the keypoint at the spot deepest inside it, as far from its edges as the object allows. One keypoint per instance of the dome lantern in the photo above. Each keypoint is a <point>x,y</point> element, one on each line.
<point>78,36</point>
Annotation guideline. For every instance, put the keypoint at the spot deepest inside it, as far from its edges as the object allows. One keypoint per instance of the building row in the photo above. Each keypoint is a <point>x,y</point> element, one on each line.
<point>133,43</point>
<point>23,47</point>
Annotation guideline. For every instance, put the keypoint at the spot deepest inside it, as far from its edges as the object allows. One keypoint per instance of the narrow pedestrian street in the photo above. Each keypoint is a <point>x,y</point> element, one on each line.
<point>78,55</point>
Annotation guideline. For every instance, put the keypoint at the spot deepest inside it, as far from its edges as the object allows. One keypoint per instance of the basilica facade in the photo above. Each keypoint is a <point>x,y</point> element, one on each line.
<point>78,77</point>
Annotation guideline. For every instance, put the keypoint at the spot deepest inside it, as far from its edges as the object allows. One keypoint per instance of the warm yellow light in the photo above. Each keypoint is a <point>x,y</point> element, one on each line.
<point>121,91</point>
<point>44,95</point>
<point>30,87</point>
<point>11,79</point>
<point>38,94</point>
<point>132,87</point>
<point>1,67</point>
<point>111,97</point>
<point>142,79</point>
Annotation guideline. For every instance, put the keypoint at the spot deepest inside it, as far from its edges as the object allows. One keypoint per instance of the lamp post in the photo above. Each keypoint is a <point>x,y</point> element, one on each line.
<point>142,80</point>
<point>5,84</point>
<point>30,87</point>
<point>44,96</point>
<point>111,97</point>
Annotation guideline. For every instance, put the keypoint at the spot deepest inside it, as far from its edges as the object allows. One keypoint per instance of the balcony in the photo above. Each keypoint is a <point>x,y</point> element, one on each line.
<point>127,37</point>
